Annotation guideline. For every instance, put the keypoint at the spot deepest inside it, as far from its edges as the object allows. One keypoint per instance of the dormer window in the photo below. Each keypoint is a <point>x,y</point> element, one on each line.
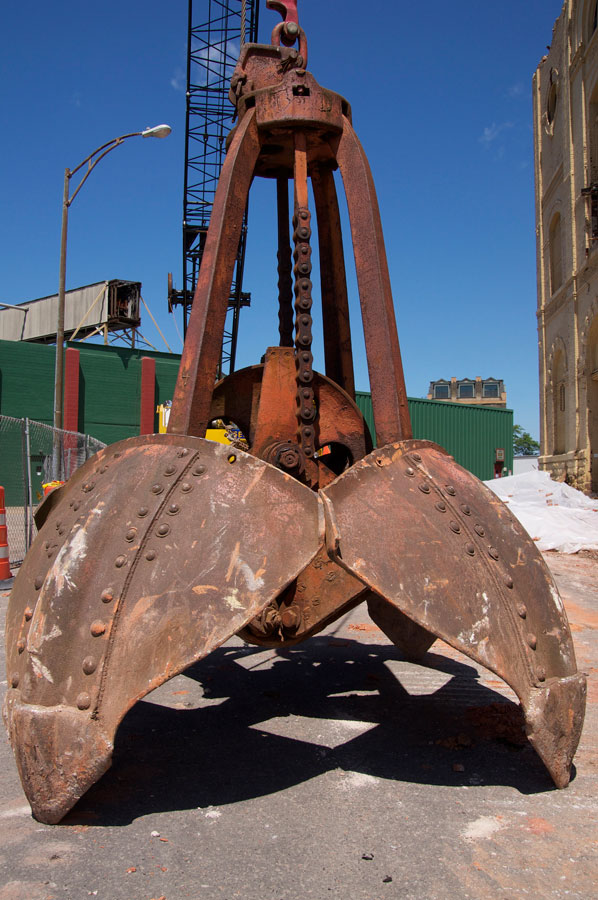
<point>441,392</point>
<point>466,390</point>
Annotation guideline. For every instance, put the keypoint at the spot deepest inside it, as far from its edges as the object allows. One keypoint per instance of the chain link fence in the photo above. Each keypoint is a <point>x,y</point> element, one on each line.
<point>33,454</point>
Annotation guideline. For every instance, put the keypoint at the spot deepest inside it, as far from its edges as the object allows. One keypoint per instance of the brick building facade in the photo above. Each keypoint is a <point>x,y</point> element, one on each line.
<point>565,91</point>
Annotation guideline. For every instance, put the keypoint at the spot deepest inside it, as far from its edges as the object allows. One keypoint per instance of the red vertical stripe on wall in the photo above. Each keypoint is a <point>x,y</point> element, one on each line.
<point>71,390</point>
<point>148,395</point>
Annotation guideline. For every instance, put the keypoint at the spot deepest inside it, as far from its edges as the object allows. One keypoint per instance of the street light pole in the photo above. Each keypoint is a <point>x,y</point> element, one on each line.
<point>59,368</point>
<point>159,131</point>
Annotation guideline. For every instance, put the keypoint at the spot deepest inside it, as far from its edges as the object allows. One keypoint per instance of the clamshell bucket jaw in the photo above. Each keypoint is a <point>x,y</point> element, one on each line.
<point>442,551</point>
<point>160,548</point>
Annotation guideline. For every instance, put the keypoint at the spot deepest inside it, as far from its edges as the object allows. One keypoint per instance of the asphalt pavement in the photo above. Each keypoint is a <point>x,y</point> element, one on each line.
<point>334,769</point>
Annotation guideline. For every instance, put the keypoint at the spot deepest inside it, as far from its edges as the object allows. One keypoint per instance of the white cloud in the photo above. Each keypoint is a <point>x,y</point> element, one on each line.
<point>178,80</point>
<point>492,132</point>
<point>213,62</point>
<point>209,65</point>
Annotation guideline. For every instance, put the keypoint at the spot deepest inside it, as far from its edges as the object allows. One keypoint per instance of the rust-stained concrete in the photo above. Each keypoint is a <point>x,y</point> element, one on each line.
<point>262,774</point>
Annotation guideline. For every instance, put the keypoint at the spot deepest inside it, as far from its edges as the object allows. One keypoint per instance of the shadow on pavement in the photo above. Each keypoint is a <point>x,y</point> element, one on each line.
<point>167,759</point>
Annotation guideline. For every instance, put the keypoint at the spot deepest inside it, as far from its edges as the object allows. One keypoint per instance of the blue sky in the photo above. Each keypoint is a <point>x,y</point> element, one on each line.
<point>441,99</point>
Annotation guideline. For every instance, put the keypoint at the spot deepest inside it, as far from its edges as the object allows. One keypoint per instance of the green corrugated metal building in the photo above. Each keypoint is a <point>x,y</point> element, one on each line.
<point>109,385</point>
<point>110,394</point>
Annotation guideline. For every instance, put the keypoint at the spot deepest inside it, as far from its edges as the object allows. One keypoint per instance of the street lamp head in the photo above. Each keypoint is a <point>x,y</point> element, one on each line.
<point>159,131</point>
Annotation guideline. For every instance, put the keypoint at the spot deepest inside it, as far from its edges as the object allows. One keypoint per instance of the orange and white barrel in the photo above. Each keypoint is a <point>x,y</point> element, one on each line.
<point>4,558</point>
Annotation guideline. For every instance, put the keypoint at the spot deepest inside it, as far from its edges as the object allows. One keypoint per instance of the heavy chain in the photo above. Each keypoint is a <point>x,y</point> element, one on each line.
<point>285,268</point>
<point>306,409</point>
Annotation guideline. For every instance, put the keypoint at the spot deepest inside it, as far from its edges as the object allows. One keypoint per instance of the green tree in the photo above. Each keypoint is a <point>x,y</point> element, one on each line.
<point>523,442</point>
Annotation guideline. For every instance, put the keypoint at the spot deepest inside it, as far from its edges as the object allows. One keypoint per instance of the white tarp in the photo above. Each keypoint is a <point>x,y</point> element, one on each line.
<point>555,515</point>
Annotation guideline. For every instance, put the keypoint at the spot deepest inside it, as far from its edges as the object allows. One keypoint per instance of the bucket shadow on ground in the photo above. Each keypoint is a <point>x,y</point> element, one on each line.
<point>168,759</point>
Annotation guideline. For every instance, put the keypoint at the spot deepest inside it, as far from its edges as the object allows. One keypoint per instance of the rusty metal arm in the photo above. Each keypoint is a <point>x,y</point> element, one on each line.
<point>199,362</point>
<point>338,353</point>
<point>387,382</point>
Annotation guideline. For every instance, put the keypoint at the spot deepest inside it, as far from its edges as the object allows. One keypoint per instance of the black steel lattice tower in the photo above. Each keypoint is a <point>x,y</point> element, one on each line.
<point>216,30</point>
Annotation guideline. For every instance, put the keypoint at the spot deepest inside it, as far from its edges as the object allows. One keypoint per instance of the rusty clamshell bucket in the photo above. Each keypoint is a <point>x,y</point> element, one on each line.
<point>162,547</point>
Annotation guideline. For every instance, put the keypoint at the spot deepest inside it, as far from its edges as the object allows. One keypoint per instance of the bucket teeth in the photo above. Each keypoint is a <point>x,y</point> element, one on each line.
<point>553,721</point>
<point>60,753</point>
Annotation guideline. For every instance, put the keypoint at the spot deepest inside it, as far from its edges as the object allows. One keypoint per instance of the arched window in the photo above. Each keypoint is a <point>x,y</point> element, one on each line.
<point>592,128</point>
<point>592,350</point>
<point>587,21</point>
<point>551,102</point>
<point>555,252</point>
<point>592,400</point>
<point>559,378</point>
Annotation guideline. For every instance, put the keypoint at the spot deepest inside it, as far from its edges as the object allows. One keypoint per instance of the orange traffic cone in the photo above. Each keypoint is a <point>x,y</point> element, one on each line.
<point>4,560</point>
